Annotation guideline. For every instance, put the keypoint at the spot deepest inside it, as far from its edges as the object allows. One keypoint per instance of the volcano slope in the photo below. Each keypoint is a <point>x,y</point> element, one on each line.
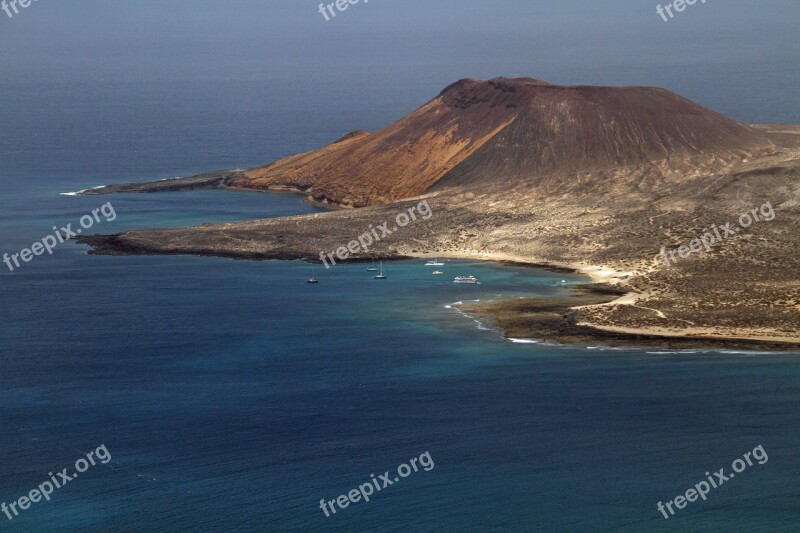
<point>597,179</point>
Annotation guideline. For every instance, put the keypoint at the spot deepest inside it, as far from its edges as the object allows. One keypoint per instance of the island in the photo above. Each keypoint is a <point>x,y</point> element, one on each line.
<point>685,220</point>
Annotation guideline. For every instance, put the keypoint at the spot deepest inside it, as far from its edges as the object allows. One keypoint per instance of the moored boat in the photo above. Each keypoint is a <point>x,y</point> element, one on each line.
<point>382,275</point>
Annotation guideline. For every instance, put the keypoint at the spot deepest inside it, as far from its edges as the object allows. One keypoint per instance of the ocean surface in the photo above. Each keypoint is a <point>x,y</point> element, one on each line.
<point>233,396</point>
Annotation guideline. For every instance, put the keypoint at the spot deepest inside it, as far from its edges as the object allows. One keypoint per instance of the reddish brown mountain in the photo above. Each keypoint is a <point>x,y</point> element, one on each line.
<point>505,132</point>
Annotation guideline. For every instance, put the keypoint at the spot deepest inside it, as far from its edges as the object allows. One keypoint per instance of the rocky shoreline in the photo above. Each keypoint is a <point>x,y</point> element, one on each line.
<point>221,179</point>
<point>555,320</point>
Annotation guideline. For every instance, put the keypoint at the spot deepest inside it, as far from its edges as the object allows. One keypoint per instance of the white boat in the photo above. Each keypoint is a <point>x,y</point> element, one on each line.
<point>372,268</point>
<point>312,279</point>
<point>382,275</point>
<point>434,263</point>
<point>437,272</point>
<point>466,279</point>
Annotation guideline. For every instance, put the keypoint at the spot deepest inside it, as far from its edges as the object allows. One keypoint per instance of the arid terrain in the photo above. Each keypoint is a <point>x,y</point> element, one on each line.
<point>596,179</point>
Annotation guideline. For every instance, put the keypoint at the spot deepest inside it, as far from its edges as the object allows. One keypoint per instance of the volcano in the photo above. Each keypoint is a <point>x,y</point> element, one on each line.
<point>507,132</point>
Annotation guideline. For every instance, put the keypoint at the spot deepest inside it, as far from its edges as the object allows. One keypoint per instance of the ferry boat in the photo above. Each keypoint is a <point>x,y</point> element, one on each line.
<point>466,279</point>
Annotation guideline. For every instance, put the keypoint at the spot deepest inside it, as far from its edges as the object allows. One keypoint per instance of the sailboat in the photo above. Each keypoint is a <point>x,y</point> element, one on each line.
<point>434,263</point>
<point>382,275</point>
<point>312,279</point>
<point>372,268</point>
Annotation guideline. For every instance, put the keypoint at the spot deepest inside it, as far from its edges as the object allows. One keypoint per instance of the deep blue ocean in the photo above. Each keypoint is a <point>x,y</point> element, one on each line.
<point>233,396</point>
